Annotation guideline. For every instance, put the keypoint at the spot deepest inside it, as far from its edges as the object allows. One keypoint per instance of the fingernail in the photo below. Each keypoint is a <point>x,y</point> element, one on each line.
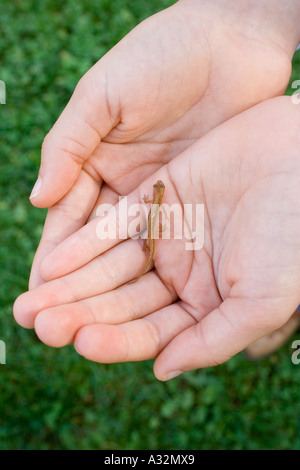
<point>172,374</point>
<point>77,349</point>
<point>36,188</point>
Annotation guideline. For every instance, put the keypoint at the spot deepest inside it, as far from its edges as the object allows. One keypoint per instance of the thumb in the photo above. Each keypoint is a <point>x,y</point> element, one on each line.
<point>221,334</point>
<point>73,138</point>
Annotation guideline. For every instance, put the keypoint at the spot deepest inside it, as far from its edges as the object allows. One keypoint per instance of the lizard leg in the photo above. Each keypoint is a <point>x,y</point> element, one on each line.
<point>162,227</point>
<point>145,246</point>
<point>147,200</point>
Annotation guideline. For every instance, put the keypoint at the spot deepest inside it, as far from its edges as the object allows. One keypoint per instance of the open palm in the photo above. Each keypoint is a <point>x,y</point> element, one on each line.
<point>162,87</point>
<point>198,308</point>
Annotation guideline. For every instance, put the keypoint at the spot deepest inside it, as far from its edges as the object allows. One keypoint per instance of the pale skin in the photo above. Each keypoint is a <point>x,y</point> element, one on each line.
<point>173,78</point>
<point>243,284</point>
<point>237,57</point>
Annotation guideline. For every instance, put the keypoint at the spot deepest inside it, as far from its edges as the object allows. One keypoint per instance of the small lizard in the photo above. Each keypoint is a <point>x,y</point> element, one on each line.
<point>158,193</point>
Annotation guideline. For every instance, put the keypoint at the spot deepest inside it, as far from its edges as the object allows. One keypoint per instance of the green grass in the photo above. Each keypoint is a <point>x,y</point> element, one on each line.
<point>52,398</point>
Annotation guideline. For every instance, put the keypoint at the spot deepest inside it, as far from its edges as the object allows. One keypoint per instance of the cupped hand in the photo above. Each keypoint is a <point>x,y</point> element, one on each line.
<point>173,78</point>
<point>197,308</point>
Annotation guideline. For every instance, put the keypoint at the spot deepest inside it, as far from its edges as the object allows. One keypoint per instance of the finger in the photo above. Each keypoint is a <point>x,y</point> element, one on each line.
<point>107,196</point>
<point>103,274</point>
<point>135,341</point>
<point>221,334</point>
<point>85,120</point>
<point>57,326</point>
<point>65,218</point>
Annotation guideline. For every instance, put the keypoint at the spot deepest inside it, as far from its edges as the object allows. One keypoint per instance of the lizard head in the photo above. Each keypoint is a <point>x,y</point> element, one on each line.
<point>159,185</point>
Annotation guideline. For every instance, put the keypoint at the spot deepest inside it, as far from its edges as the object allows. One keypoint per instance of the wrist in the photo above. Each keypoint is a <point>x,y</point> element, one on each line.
<point>277,20</point>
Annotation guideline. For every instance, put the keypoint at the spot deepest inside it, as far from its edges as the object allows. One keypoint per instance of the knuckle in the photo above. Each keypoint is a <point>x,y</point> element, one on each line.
<point>154,334</point>
<point>47,141</point>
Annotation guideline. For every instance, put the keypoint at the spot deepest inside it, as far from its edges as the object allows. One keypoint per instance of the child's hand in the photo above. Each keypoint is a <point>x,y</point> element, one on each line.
<point>197,308</point>
<point>174,77</point>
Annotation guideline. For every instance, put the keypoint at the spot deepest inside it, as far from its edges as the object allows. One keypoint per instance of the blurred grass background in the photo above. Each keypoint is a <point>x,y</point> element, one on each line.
<point>54,399</point>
